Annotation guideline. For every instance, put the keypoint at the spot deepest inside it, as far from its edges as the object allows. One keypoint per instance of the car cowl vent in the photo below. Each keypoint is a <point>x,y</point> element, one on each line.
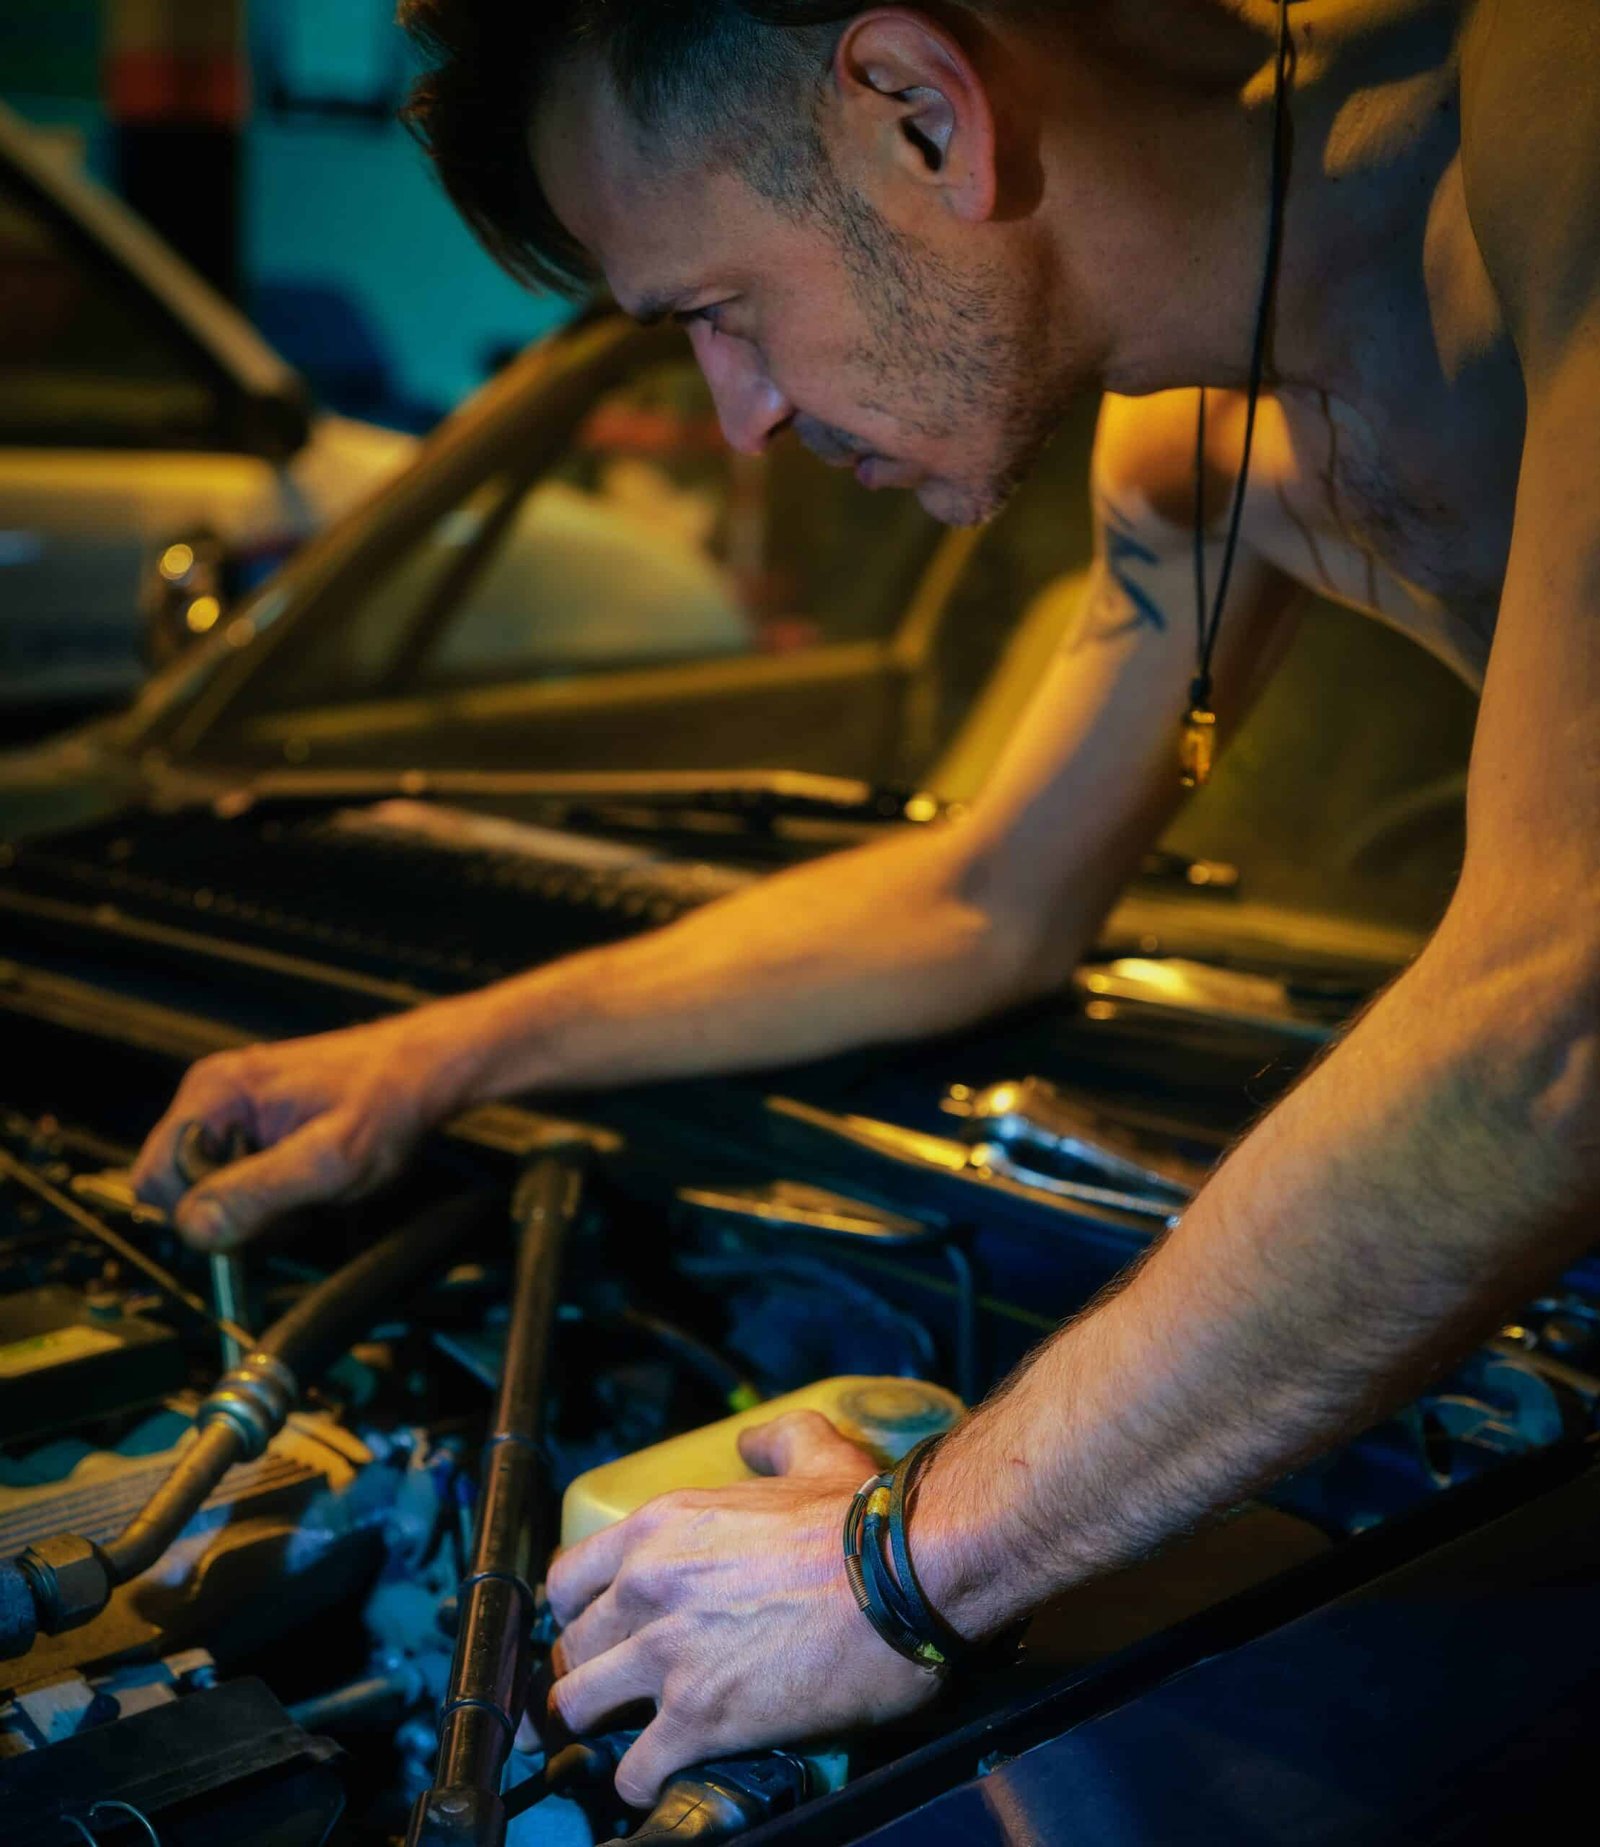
<point>447,904</point>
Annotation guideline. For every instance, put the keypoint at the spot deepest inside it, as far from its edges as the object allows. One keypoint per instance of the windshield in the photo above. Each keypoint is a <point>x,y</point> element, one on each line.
<point>650,544</point>
<point>657,603</point>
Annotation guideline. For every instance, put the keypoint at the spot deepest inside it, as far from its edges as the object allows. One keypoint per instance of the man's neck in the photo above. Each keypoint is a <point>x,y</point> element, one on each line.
<point>1158,162</point>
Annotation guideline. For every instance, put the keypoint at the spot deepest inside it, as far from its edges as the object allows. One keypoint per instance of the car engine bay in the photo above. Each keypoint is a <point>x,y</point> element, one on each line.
<point>272,1530</point>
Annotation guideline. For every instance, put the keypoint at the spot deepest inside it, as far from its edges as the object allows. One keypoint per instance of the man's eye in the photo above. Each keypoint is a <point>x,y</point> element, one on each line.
<point>710,316</point>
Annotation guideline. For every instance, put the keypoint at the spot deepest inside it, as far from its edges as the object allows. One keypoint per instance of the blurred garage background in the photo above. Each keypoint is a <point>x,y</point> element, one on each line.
<point>287,108</point>
<point>232,298</point>
<point>233,304</point>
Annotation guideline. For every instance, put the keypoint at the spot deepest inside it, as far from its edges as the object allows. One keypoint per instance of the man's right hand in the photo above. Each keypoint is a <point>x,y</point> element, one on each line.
<point>333,1117</point>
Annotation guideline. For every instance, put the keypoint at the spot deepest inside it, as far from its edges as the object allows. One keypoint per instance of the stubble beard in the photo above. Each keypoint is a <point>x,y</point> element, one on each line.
<point>951,345</point>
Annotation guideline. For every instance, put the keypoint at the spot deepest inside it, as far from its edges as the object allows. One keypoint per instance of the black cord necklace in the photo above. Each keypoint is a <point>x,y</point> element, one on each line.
<point>1197,740</point>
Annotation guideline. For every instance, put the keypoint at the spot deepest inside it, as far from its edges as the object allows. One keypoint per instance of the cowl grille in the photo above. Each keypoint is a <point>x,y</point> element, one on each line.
<point>371,890</point>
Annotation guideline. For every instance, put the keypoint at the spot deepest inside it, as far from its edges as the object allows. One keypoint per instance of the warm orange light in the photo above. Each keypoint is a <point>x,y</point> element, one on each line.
<point>177,561</point>
<point>201,615</point>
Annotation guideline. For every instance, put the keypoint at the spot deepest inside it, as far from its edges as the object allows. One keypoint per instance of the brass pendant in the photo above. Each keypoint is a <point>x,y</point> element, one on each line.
<point>1197,746</point>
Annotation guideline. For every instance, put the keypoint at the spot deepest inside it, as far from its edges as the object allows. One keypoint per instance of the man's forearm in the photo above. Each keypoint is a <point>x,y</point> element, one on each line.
<point>914,935</point>
<point>1416,1185</point>
<point>887,942</point>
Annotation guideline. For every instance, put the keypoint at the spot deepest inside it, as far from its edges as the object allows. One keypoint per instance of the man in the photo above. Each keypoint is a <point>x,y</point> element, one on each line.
<point>912,233</point>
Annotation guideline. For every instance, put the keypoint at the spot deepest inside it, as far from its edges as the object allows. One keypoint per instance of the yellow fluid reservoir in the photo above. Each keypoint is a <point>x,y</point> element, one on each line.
<point>885,1416</point>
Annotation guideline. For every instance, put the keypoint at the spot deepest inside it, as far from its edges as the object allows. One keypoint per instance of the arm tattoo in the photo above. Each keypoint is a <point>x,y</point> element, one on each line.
<point>1109,615</point>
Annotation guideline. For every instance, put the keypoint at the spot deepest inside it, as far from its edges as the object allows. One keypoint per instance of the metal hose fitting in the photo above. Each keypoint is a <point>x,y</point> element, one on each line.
<point>254,1398</point>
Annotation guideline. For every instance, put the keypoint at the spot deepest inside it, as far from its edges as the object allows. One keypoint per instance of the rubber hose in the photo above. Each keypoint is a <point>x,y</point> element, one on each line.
<point>321,1325</point>
<point>306,1340</point>
<point>19,1620</point>
<point>174,1504</point>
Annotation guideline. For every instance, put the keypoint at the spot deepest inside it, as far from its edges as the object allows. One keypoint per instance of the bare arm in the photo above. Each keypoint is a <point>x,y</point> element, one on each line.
<point>1447,1157</point>
<point>925,933</point>
<point>1419,1183</point>
<point>906,937</point>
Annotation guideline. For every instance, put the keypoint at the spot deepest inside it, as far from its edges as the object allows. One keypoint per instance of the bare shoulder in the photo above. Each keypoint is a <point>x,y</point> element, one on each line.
<point>1530,148</point>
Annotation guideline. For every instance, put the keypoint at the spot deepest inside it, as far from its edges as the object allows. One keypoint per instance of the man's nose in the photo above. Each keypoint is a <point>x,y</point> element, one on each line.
<point>750,407</point>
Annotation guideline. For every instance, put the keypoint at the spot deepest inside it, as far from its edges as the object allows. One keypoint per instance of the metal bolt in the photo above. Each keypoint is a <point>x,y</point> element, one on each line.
<point>70,1581</point>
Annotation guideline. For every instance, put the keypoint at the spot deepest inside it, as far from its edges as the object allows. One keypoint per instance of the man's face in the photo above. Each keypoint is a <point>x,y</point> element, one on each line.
<point>884,344</point>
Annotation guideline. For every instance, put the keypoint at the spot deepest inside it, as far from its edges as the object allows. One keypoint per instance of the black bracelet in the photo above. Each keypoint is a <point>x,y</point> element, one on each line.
<point>863,1568</point>
<point>889,1595</point>
<point>925,1618</point>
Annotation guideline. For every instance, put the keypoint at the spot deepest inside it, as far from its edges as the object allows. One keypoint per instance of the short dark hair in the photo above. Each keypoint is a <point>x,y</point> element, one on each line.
<point>699,74</point>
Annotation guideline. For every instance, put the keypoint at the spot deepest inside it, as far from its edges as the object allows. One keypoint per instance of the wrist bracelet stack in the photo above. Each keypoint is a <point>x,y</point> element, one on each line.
<point>877,1562</point>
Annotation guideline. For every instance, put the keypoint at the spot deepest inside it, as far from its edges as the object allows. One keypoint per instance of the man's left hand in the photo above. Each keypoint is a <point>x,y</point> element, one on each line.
<point>728,1608</point>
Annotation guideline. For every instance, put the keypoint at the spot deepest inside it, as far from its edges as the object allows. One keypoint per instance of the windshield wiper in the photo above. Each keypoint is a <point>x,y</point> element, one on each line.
<point>749,799</point>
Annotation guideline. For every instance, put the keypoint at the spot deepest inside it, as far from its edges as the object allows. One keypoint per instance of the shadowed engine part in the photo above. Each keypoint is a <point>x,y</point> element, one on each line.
<point>64,1581</point>
<point>489,1676</point>
<point>720,1801</point>
<point>61,1362</point>
<point>222,1764</point>
<point>308,1522</point>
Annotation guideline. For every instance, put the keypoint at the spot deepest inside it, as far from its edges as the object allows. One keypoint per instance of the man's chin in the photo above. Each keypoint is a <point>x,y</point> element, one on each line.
<point>960,503</point>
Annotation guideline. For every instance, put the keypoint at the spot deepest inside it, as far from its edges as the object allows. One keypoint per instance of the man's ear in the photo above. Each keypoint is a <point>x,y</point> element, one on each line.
<point>912,101</point>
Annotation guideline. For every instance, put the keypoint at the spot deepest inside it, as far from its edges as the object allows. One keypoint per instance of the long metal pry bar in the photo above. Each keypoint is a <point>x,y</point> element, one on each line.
<point>489,1676</point>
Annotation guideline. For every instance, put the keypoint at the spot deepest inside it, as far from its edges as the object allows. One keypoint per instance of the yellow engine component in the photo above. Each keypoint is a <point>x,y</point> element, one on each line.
<point>885,1416</point>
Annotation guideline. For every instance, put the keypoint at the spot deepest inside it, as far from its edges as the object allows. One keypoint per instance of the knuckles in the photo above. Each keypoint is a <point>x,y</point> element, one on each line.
<point>647,1524</point>
<point>340,1156</point>
<point>360,1141</point>
<point>793,1439</point>
<point>691,1704</point>
<point>645,1582</point>
<point>219,1074</point>
<point>804,1430</point>
<point>657,1515</point>
<point>560,1590</point>
<point>566,1703</point>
